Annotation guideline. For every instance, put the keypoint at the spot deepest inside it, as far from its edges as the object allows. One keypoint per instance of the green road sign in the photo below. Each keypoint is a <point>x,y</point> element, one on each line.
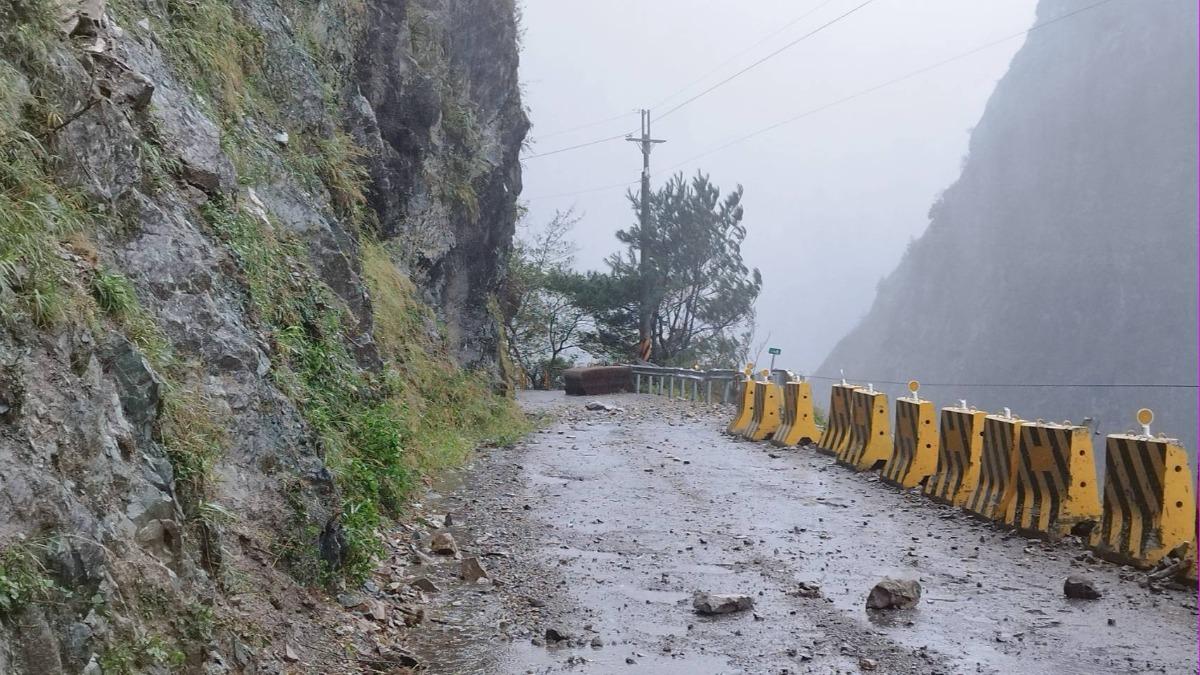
<point>774,351</point>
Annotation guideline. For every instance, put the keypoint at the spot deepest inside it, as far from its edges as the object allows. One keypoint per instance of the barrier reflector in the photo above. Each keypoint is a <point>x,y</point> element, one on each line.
<point>1055,484</point>
<point>799,422</point>
<point>837,424</point>
<point>870,431</point>
<point>959,451</point>
<point>915,445</point>
<point>745,408</point>
<point>997,467</point>
<point>765,419</point>
<point>1149,506</point>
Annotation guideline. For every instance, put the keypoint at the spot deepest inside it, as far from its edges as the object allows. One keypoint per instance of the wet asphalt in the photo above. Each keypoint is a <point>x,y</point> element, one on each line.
<point>602,525</point>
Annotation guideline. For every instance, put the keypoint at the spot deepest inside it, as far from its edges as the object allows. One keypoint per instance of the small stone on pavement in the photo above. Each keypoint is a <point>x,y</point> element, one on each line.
<point>1080,588</point>
<point>709,603</point>
<point>443,543</point>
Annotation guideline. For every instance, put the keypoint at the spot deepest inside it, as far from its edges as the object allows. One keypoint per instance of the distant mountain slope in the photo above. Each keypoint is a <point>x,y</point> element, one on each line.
<point>1066,251</point>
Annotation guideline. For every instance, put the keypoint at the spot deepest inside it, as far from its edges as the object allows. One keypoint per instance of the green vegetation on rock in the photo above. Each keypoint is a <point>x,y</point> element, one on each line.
<point>23,579</point>
<point>380,431</point>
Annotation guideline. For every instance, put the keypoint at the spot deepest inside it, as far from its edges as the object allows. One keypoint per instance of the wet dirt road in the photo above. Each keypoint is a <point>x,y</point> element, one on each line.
<point>602,526</point>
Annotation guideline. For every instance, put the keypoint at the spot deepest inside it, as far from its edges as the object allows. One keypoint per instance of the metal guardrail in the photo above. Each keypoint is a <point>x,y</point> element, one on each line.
<point>710,386</point>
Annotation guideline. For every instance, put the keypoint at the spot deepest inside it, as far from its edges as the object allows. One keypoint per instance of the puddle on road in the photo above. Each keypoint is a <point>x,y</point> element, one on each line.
<point>693,570</point>
<point>658,629</point>
<point>526,658</point>
<point>661,597</point>
<point>571,551</point>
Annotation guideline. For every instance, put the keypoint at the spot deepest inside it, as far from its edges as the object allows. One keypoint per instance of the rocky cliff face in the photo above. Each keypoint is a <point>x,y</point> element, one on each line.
<point>247,250</point>
<point>1066,251</point>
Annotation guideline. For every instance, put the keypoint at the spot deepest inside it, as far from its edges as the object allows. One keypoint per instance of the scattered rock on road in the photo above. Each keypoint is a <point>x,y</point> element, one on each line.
<point>597,406</point>
<point>556,635</point>
<point>423,584</point>
<point>443,543</point>
<point>376,610</point>
<point>807,589</point>
<point>1080,588</point>
<point>351,600</point>
<point>708,603</point>
<point>894,594</point>
<point>472,571</point>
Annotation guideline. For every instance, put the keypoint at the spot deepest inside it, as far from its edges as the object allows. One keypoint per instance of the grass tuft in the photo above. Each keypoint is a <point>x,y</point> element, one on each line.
<point>23,579</point>
<point>113,293</point>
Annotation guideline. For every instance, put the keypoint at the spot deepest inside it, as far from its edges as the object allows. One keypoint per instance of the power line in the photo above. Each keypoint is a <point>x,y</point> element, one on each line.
<point>602,188</point>
<point>816,30</point>
<point>897,80</point>
<point>685,87</point>
<point>577,146</point>
<point>739,54</point>
<point>773,54</point>
<point>1013,385</point>
<point>589,125</point>
<point>831,104</point>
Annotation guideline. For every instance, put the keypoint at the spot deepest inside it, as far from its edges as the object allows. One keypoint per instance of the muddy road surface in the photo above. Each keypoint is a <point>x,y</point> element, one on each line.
<point>598,529</point>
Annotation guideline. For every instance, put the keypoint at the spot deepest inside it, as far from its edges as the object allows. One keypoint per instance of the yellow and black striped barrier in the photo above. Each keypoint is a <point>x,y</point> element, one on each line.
<point>799,423</point>
<point>915,447</point>
<point>745,404</point>
<point>1149,505</point>
<point>997,467</point>
<point>1054,488</point>
<point>959,452</point>
<point>765,420</point>
<point>837,424</point>
<point>870,433</point>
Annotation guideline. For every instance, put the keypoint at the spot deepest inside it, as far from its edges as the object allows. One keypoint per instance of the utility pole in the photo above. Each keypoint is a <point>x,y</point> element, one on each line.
<point>645,243</point>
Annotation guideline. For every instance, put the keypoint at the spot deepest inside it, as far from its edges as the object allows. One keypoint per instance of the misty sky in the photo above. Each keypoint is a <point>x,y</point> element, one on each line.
<point>831,199</point>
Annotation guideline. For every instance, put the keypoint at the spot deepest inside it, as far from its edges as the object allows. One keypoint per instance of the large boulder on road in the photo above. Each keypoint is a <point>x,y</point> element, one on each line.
<point>894,594</point>
<point>710,603</point>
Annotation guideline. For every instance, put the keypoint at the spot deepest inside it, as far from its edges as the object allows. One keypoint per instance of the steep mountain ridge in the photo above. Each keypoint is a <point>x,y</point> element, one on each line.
<point>248,255</point>
<point>1066,251</point>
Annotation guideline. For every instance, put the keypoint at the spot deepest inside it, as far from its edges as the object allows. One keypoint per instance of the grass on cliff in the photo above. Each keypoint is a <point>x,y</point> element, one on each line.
<point>381,432</point>
<point>42,225</point>
<point>23,579</point>
<point>35,213</point>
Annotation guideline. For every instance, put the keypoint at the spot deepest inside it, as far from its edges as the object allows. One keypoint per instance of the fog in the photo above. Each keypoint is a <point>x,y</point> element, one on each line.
<point>833,199</point>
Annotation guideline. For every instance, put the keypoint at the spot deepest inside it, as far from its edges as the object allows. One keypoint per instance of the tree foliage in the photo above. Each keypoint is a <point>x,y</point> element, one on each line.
<point>544,322</point>
<point>704,293</point>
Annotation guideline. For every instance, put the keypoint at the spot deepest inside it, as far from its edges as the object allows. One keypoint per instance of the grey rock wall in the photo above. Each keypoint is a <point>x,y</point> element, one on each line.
<point>82,463</point>
<point>1066,251</point>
